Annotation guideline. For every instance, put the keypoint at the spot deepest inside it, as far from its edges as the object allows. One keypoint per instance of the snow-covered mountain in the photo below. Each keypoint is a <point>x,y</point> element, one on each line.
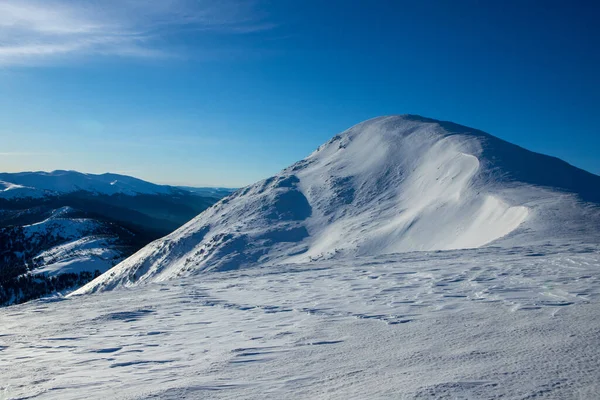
<point>388,185</point>
<point>326,311</point>
<point>64,223</point>
<point>40,183</point>
<point>66,242</point>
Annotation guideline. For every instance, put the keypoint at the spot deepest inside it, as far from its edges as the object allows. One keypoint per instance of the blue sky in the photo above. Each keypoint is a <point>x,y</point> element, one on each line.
<point>225,93</point>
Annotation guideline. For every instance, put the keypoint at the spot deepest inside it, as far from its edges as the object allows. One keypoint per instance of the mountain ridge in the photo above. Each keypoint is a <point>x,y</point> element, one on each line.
<point>42,183</point>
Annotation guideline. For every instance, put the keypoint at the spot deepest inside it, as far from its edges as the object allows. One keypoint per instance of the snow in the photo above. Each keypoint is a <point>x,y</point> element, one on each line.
<point>387,185</point>
<point>493,322</point>
<point>435,207</point>
<point>39,184</point>
<point>67,228</point>
<point>84,244</point>
<point>89,253</point>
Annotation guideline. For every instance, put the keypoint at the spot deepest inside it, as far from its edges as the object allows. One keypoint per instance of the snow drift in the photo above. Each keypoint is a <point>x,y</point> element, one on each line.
<point>387,185</point>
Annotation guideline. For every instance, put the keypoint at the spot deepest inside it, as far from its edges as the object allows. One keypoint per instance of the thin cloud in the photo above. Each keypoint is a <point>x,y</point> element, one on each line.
<point>37,31</point>
<point>27,154</point>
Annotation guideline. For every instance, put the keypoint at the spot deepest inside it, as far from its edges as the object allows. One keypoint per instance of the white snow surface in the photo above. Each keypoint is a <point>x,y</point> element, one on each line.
<point>89,253</point>
<point>84,246</point>
<point>39,184</point>
<point>501,323</point>
<point>388,185</point>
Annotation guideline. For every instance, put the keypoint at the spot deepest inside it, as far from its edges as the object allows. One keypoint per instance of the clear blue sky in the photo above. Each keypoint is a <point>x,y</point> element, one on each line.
<point>226,93</point>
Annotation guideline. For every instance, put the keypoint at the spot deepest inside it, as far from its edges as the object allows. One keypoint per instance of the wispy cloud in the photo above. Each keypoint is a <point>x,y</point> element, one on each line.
<point>27,154</point>
<point>38,31</point>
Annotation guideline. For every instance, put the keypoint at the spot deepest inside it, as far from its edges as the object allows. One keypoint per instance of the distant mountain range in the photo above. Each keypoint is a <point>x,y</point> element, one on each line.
<point>59,229</point>
<point>40,184</point>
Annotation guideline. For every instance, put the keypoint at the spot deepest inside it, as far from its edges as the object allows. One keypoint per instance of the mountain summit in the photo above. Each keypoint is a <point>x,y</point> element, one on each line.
<point>387,185</point>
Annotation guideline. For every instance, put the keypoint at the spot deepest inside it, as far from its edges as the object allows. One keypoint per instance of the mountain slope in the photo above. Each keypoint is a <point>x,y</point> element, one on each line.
<point>387,185</point>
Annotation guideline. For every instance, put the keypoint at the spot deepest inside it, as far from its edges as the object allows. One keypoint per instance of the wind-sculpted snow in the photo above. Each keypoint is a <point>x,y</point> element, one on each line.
<point>387,185</point>
<point>502,323</point>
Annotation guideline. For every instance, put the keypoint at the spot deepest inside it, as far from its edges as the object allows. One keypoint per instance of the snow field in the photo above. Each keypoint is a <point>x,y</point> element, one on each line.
<point>488,323</point>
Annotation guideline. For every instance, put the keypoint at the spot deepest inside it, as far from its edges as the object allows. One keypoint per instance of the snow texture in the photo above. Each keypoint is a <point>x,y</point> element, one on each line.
<point>506,323</point>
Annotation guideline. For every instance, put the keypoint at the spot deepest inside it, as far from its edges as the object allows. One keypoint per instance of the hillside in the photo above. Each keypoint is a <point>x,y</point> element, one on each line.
<point>67,226</point>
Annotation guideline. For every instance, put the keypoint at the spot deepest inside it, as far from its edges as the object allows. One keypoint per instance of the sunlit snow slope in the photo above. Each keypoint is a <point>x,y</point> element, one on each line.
<point>387,185</point>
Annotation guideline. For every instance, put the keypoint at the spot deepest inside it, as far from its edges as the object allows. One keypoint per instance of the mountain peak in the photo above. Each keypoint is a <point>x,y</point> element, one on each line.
<point>387,185</point>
